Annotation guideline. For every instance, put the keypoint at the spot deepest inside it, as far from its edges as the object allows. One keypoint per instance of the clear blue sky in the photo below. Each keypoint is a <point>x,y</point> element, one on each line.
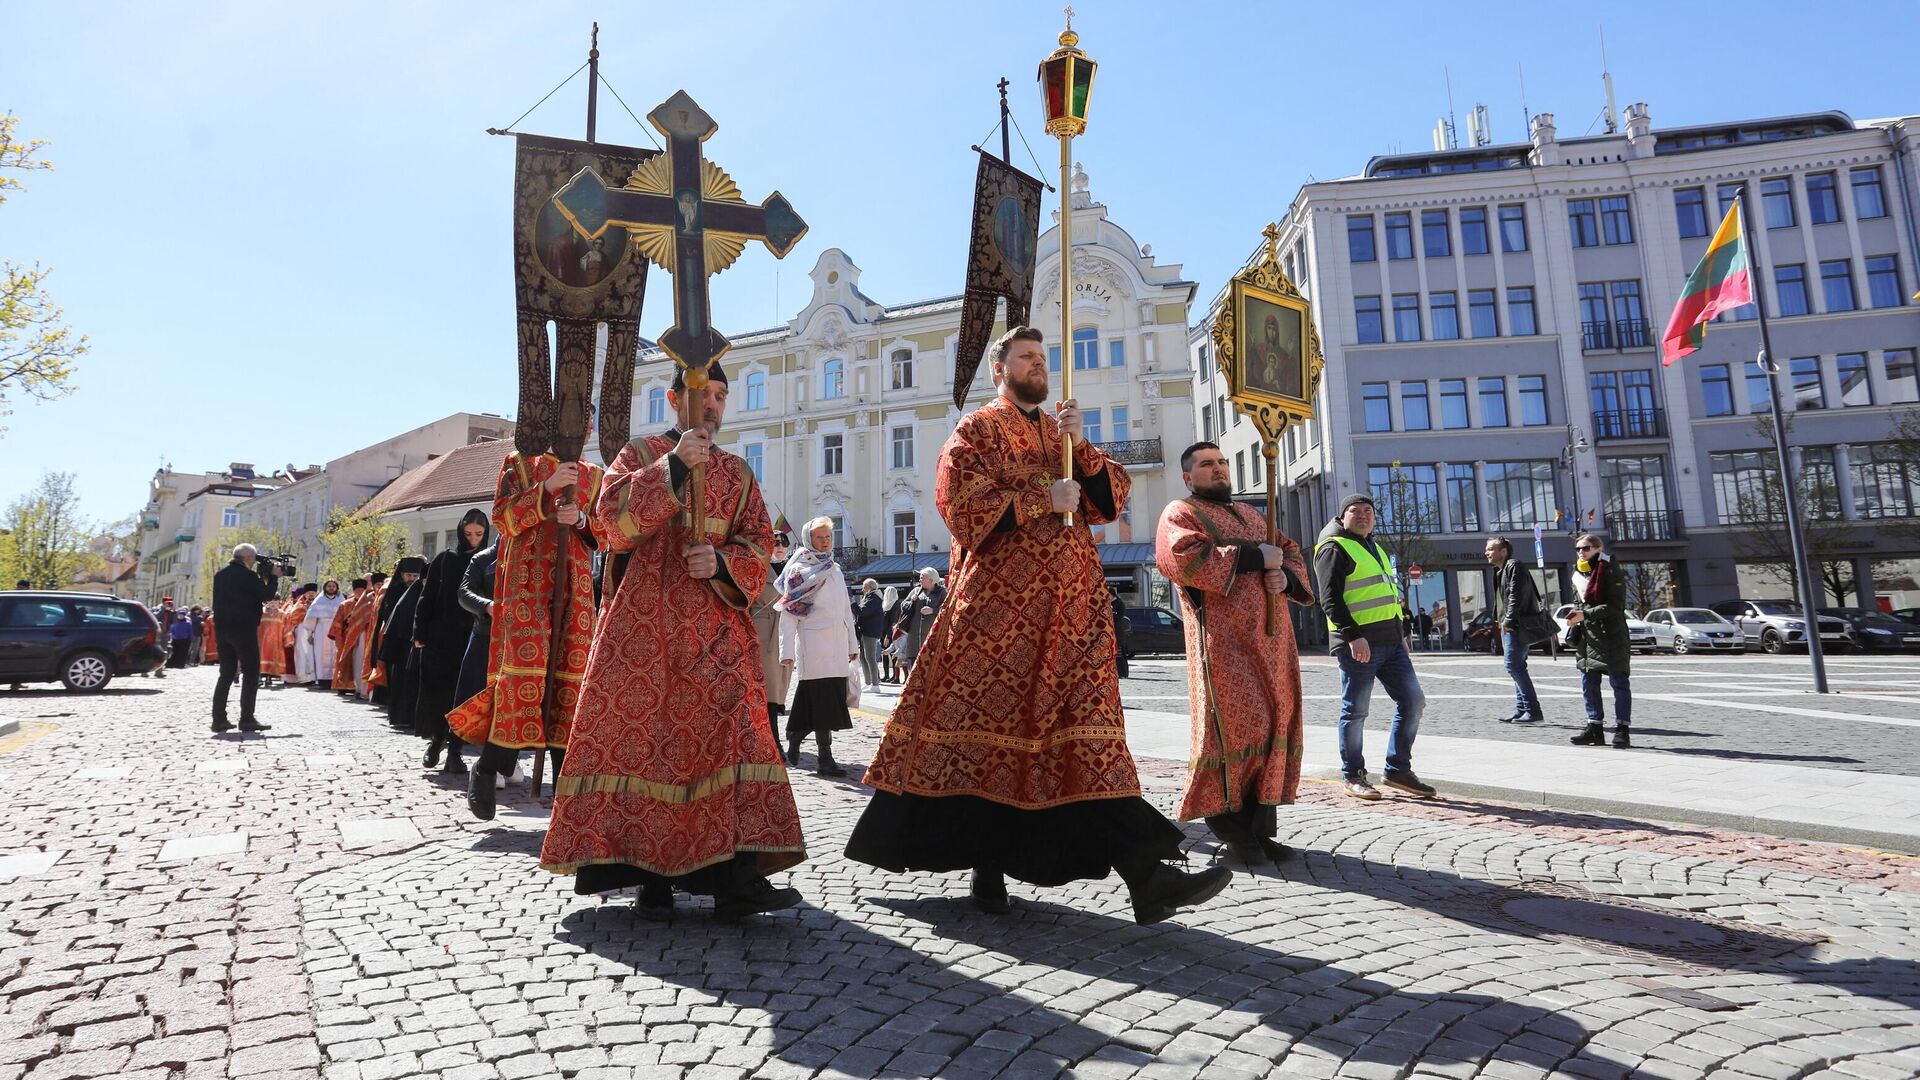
<point>286,232</point>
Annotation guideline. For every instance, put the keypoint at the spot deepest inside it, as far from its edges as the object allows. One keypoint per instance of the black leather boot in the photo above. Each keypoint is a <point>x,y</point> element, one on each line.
<point>989,892</point>
<point>480,792</point>
<point>826,765</point>
<point>1594,735</point>
<point>1164,890</point>
<point>433,752</point>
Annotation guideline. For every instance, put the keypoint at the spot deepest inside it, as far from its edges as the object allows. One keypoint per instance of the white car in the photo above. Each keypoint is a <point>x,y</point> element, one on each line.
<point>1640,635</point>
<point>1695,629</point>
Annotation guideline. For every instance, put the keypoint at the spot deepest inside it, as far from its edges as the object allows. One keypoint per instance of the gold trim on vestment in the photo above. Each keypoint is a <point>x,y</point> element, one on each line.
<point>999,797</point>
<point>563,676</point>
<point>799,856</point>
<point>1235,757</point>
<point>678,794</point>
<point>1013,742</point>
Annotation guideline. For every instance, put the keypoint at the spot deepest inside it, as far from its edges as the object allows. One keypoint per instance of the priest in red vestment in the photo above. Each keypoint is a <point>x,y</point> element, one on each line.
<point>1007,753</point>
<point>533,514</point>
<point>672,779</point>
<point>1243,684</point>
<point>354,625</point>
<point>273,657</point>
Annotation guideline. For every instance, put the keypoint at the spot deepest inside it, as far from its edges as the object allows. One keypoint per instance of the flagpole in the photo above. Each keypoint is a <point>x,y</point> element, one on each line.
<point>1802,566</point>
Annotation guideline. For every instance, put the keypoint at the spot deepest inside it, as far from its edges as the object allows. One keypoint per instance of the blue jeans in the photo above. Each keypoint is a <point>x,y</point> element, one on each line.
<point>1622,697</point>
<point>1391,665</point>
<point>1525,701</point>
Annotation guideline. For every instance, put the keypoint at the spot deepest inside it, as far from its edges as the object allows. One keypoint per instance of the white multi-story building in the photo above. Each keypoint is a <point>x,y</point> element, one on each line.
<point>843,410</point>
<point>1491,320</point>
<point>185,515</point>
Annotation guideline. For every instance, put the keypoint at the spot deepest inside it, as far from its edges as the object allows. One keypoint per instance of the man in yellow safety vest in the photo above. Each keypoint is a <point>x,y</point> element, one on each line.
<point>1362,604</point>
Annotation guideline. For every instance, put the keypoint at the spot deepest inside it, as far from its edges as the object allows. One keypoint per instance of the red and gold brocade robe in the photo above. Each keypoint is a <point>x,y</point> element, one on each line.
<point>512,710</point>
<point>355,624</point>
<point>373,670</point>
<point>1014,697</point>
<point>273,629</point>
<point>672,767</point>
<point>294,614</point>
<point>1243,685</point>
<point>209,646</point>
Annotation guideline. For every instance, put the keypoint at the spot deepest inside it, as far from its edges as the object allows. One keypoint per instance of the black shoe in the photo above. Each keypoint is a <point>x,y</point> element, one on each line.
<point>1594,735</point>
<point>793,752</point>
<point>1528,719</point>
<point>455,764</point>
<point>1511,719</point>
<point>221,723</point>
<point>655,903</point>
<point>1409,783</point>
<point>1620,739</point>
<point>480,792</point>
<point>990,892</point>
<point>1169,890</point>
<point>433,753</point>
<point>756,898</point>
<point>1276,851</point>
<point>254,725</point>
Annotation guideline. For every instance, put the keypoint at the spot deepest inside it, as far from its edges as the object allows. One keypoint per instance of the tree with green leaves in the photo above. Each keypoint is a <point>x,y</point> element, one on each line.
<point>43,539</point>
<point>37,348</point>
<point>358,544</point>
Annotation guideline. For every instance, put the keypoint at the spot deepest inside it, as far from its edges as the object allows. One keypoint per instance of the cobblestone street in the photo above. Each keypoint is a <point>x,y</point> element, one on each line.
<point>312,903</point>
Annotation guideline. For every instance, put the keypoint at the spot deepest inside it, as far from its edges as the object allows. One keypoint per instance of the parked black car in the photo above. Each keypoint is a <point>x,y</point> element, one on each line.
<point>1877,631</point>
<point>1156,630</point>
<point>1908,614</point>
<point>80,639</point>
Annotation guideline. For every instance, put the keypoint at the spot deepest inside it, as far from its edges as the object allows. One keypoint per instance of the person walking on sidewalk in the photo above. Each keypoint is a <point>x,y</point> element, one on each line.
<point>871,622</point>
<point>1597,629</point>
<point>818,645</point>
<point>1368,639</point>
<point>1517,610</point>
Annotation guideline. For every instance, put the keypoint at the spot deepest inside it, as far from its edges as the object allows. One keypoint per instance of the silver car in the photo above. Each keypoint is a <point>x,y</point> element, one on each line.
<point>1698,630</point>
<point>1779,625</point>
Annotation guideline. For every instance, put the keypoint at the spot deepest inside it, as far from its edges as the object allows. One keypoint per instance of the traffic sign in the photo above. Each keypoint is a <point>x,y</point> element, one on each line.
<point>1413,572</point>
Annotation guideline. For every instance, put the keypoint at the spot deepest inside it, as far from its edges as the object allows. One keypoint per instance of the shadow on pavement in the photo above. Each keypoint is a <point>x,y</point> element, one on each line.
<point>1570,819</point>
<point>1751,755</point>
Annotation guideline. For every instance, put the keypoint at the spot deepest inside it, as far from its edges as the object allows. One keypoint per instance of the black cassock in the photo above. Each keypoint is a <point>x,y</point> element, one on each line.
<point>442,627</point>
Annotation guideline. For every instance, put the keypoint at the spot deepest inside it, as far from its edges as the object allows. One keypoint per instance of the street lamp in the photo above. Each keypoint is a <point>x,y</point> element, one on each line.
<point>1066,83</point>
<point>913,552</point>
<point>1576,445</point>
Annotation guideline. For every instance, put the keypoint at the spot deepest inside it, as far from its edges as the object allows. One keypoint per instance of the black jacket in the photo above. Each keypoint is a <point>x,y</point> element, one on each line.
<point>476,589</point>
<point>1331,568</point>
<point>238,594</point>
<point>398,643</point>
<point>1516,594</point>
<point>870,621</point>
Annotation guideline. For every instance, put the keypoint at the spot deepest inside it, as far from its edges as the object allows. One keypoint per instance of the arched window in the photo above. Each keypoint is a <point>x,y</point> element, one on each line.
<point>757,390</point>
<point>1086,348</point>
<point>833,379</point>
<point>656,406</point>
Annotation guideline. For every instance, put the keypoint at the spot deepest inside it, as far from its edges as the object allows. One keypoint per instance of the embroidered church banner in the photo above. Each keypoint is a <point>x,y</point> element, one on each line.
<point>1006,234</point>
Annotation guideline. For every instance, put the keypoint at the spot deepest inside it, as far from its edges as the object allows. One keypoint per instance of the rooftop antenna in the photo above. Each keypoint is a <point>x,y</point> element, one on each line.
<point>1445,133</point>
<point>1479,129</point>
<point>1525,114</point>
<point>1606,79</point>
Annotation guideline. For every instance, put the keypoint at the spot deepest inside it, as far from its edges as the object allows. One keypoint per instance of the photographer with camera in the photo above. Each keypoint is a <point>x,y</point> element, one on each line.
<point>240,591</point>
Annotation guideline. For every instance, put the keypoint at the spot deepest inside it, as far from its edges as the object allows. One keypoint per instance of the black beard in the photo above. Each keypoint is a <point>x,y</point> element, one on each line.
<point>1221,492</point>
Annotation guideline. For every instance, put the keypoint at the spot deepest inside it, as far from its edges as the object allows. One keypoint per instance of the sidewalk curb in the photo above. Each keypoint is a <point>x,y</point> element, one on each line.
<point>1782,827</point>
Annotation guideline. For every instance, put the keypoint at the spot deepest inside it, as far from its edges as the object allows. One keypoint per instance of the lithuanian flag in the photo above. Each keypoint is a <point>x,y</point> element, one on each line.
<point>1723,281</point>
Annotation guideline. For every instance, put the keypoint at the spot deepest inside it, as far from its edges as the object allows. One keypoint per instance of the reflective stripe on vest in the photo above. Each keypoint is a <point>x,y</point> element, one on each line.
<point>1369,593</point>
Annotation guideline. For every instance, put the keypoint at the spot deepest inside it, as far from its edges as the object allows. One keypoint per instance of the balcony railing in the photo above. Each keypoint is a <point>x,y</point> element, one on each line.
<point>854,556</point>
<point>1630,424</point>
<point>1596,335</point>
<point>1644,526</point>
<point>1133,451</point>
<point>1632,334</point>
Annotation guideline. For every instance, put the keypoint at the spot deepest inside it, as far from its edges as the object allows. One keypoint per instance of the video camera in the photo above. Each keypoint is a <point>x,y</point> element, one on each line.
<point>273,566</point>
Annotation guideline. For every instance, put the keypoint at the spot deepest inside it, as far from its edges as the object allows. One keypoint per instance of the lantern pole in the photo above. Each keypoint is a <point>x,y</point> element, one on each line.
<point>1065,126</point>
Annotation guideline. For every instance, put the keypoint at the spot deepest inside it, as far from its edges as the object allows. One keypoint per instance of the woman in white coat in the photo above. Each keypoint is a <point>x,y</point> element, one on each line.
<point>818,644</point>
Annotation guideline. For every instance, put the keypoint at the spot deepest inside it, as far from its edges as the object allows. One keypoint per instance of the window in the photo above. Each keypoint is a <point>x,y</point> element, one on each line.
<point>1716,390</point>
<point>1414,413</point>
<point>1790,281</point>
<point>1117,353</point>
<point>1630,328</point>
<point>832,454</point>
<point>1633,495</point>
<point>833,379</point>
<point>1513,228</point>
<point>900,370</point>
<point>1583,223</point>
<point>100,613</point>
<point>1366,320</point>
<point>903,446</point>
<point>1595,333</point>
<point>1121,430</point>
<point>1886,482</point>
<point>1759,388</point>
<point>1463,499</point>
<point>1855,388</point>
<point>1408,497</point>
<point>1406,317</point>
<point>1399,236</point>
<point>1473,230</point>
<point>1090,429</point>
<point>656,406</point>
<point>1379,410</point>
<point>1823,198</point>
<point>1360,238</point>
<point>1520,320</point>
<point>1902,386</point>
<point>1868,199</point>
<point>1493,402</point>
<point>1776,201</point>
<point>1433,234</point>
<point>1726,193</point>
<point>1836,282</point>
<point>1086,348</point>
<point>1519,494</point>
<point>1690,206</point>
<point>756,458</point>
<point>429,544</point>
<point>1883,281</point>
<point>1740,482</point>
<point>1240,469</point>
<point>1206,420</point>
<point>1482,316</point>
<point>1616,220</point>
<point>903,524</point>
<point>756,390</point>
<point>1807,391</point>
<point>1446,316</point>
<point>230,517</point>
<point>1533,400</point>
<point>1453,403</point>
<point>1053,358</point>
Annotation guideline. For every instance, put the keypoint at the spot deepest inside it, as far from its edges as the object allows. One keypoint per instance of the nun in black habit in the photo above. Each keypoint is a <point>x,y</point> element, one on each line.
<point>442,628</point>
<point>396,641</point>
